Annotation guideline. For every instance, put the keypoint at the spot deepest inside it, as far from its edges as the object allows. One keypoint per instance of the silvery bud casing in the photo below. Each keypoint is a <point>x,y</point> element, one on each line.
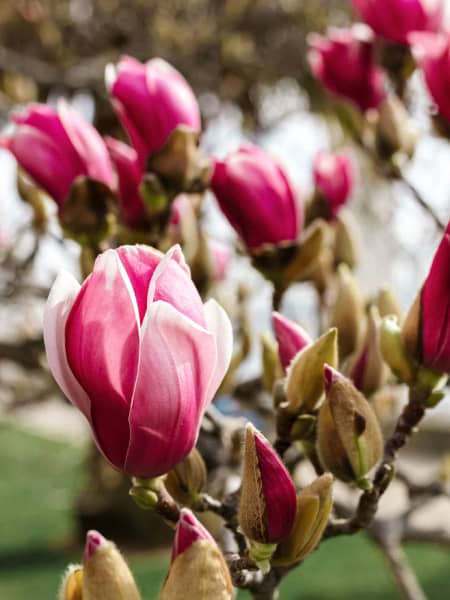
<point>268,498</point>
<point>186,481</point>
<point>314,504</point>
<point>349,439</point>
<point>198,569</point>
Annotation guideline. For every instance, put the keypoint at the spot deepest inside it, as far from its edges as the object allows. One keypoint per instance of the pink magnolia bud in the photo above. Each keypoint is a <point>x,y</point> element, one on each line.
<point>151,100</point>
<point>268,497</point>
<point>139,354</point>
<point>129,172</point>
<point>432,52</point>
<point>56,146</point>
<point>395,19</point>
<point>257,198</point>
<point>94,540</point>
<point>189,530</point>
<point>334,179</point>
<point>220,255</point>
<point>343,61</point>
<point>198,569</point>
<point>426,330</point>
<point>291,338</point>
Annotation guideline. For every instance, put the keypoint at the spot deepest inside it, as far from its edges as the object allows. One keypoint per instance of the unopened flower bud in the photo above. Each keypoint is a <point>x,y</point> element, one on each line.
<point>346,239</point>
<point>347,314</point>
<point>187,479</point>
<point>268,498</point>
<point>366,368</point>
<point>304,381</point>
<point>72,584</point>
<point>394,350</point>
<point>291,338</point>
<point>349,439</point>
<point>271,362</point>
<point>426,330</point>
<point>388,304</point>
<point>313,509</point>
<point>198,569</point>
<point>106,575</point>
<point>395,131</point>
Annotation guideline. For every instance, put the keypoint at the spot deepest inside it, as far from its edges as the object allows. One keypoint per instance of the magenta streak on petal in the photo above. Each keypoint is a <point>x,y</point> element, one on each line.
<point>291,338</point>
<point>278,489</point>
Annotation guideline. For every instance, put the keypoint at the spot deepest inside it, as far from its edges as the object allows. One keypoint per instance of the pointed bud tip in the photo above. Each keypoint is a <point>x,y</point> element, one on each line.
<point>94,541</point>
<point>189,530</point>
<point>330,375</point>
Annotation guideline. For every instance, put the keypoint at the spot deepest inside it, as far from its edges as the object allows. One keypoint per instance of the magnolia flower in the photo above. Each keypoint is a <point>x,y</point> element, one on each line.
<point>56,146</point>
<point>343,61</point>
<point>334,179</point>
<point>257,198</point>
<point>395,19</point>
<point>139,354</point>
<point>432,52</point>
<point>151,100</point>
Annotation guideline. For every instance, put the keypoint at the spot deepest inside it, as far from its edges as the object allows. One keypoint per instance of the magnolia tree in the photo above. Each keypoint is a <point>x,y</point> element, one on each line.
<point>137,350</point>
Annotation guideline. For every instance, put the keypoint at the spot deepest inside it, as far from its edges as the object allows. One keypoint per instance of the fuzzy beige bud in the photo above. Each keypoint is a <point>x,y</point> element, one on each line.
<point>395,132</point>
<point>200,573</point>
<point>388,304</point>
<point>271,361</point>
<point>347,313</point>
<point>107,576</point>
<point>349,439</point>
<point>314,504</point>
<point>187,479</point>
<point>394,351</point>
<point>346,239</point>
<point>304,381</point>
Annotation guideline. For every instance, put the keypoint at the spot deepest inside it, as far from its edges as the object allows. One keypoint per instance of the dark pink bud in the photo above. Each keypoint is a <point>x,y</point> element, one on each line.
<point>129,172</point>
<point>268,498</point>
<point>331,375</point>
<point>56,146</point>
<point>343,61</point>
<point>334,178</point>
<point>291,338</point>
<point>189,530</point>
<point>257,198</point>
<point>151,100</point>
<point>94,541</point>
<point>395,19</point>
<point>432,52</point>
<point>435,309</point>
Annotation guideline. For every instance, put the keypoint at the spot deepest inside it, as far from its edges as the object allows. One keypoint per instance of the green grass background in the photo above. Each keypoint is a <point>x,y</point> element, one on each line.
<point>39,480</point>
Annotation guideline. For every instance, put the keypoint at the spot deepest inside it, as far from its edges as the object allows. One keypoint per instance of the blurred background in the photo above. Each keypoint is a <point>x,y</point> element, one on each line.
<point>247,62</point>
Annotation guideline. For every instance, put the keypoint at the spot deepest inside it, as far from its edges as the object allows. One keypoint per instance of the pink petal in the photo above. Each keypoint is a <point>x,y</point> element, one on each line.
<point>44,161</point>
<point>88,143</point>
<point>102,344</point>
<point>134,133</point>
<point>219,324</point>
<point>176,364</point>
<point>57,309</point>
<point>291,338</point>
<point>189,530</point>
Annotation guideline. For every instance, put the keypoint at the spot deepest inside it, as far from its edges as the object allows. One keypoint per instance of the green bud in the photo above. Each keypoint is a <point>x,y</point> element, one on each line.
<point>145,499</point>
<point>261,554</point>
<point>395,131</point>
<point>347,313</point>
<point>187,479</point>
<point>154,194</point>
<point>304,381</point>
<point>394,352</point>
<point>349,439</point>
<point>313,509</point>
<point>271,362</point>
<point>388,304</point>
